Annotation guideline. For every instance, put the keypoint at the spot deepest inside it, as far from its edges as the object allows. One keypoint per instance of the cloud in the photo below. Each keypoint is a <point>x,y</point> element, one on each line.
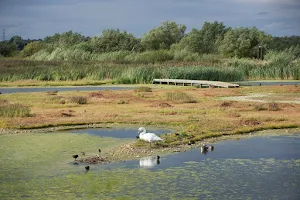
<point>263,13</point>
<point>37,19</point>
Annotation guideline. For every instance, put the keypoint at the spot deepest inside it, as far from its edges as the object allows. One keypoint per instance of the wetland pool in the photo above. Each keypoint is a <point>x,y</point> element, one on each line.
<point>7,90</point>
<point>37,166</point>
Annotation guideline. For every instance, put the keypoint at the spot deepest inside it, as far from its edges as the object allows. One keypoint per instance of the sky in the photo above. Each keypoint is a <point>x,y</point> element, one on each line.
<point>36,19</point>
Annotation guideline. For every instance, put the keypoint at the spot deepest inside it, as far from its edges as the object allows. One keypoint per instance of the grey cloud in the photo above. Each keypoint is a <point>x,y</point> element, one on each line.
<point>263,13</point>
<point>37,19</point>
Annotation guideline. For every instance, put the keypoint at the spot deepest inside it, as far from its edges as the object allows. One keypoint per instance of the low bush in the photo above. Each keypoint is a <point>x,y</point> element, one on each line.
<point>78,100</point>
<point>14,110</point>
<point>180,96</point>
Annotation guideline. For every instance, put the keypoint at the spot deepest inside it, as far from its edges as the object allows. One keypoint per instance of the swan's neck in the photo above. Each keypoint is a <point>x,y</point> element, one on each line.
<point>143,132</point>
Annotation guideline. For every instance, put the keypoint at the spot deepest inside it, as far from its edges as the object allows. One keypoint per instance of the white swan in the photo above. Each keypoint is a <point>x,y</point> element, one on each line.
<point>149,162</point>
<point>148,137</point>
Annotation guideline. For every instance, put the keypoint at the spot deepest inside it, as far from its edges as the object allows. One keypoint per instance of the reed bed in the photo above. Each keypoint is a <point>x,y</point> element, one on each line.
<point>125,67</point>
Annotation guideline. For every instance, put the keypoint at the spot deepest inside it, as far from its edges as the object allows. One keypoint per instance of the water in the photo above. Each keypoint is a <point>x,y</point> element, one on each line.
<point>117,132</point>
<point>267,83</point>
<point>265,167</point>
<point>60,89</point>
<point>258,167</point>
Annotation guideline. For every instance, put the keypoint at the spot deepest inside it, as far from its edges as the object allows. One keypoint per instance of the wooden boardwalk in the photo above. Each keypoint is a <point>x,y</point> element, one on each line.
<point>199,83</point>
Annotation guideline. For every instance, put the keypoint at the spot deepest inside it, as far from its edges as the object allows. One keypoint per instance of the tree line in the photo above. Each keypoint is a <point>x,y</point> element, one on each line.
<point>212,38</point>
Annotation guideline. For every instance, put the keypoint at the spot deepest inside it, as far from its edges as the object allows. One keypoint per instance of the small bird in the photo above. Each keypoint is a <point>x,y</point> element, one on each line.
<point>137,137</point>
<point>158,161</point>
<point>75,156</point>
<point>204,149</point>
<point>191,142</point>
<point>83,153</point>
<point>99,150</point>
<point>87,168</point>
<point>148,137</point>
<point>211,147</point>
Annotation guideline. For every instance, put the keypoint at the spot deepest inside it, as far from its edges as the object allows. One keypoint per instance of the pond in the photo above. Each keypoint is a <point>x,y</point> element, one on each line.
<point>36,166</point>
<point>60,89</point>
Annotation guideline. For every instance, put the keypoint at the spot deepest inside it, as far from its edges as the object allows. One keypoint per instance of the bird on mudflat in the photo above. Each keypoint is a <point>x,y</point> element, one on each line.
<point>148,137</point>
<point>87,168</point>
<point>99,150</point>
<point>83,153</point>
<point>75,156</point>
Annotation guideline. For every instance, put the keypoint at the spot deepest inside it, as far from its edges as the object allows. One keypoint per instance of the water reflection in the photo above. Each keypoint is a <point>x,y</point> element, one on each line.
<point>150,161</point>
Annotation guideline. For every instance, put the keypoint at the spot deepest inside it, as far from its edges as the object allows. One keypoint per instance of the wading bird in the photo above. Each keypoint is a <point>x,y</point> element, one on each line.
<point>75,156</point>
<point>211,147</point>
<point>148,137</point>
<point>87,168</point>
<point>204,149</point>
<point>99,150</point>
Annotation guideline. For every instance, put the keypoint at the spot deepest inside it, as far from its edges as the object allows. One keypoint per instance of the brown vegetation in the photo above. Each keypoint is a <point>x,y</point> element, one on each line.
<point>208,116</point>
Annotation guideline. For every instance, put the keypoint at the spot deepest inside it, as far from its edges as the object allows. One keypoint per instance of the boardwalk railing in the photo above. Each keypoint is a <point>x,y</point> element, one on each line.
<point>200,83</point>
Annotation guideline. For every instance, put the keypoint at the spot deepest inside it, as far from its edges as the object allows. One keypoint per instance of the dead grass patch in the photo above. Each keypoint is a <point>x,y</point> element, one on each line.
<point>250,122</point>
<point>97,94</point>
<point>162,105</point>
<point>67,113</point>
<point>226,104</point>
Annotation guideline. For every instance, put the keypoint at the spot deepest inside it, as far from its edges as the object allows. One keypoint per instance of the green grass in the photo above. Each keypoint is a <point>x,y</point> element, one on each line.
<point>142,89</point>
<point>40,165</point>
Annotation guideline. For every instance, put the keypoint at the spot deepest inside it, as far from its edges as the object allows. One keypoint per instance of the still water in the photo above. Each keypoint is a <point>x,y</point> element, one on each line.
<point>60,89</point>
<point>37,166</point>
<point>262,167</point>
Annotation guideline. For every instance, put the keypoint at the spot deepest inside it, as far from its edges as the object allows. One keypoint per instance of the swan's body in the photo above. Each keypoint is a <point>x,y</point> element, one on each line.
<point>148,137</point>
<point>149,162</point>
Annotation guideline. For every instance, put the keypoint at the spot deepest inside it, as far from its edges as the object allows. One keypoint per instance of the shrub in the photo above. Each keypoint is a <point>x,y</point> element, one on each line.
<point>96,94</point>
<point>14,110</point>
<point>273,107</point>
<point>180,96</point>
<point>259,107</point>
<point>78,100</point>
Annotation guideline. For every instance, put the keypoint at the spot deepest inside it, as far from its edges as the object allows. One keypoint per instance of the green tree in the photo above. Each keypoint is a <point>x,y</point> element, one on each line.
<point>7,48</point>
<point>242,42</point>
<point>203,40</point>
<point>18,42</point>
<point>32,48</point>
<point>115,40</point>
<point>163,36</point>
<point>65,39</point>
